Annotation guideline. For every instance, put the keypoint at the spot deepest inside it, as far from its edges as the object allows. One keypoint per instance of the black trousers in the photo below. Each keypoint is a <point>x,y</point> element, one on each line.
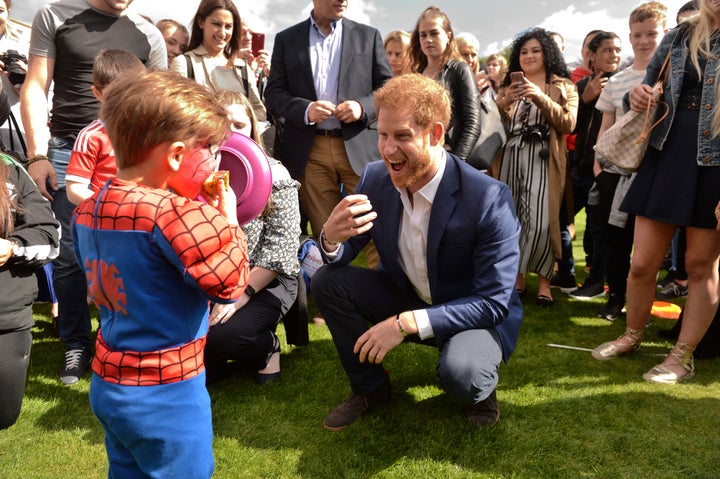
<point>617,242</point>
<point>14,362</point>
<point>249,336</point>
<point>350,298</point>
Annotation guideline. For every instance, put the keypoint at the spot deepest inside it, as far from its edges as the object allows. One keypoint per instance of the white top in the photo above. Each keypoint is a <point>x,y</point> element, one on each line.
<point>412,242</point>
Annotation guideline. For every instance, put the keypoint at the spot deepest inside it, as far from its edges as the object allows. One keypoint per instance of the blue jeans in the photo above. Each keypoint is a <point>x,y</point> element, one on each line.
<point>68,277</point>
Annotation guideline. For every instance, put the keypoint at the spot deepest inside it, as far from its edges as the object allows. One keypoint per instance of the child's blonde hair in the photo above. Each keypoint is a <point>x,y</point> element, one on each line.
<point>649,11</point>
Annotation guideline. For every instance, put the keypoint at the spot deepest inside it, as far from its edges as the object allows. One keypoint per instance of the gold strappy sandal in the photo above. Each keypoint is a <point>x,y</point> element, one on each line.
<point>661,374</point>
<point>628,342</point>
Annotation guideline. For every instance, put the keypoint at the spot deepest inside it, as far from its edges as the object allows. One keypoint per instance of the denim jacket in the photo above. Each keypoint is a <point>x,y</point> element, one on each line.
<point>677,41</point>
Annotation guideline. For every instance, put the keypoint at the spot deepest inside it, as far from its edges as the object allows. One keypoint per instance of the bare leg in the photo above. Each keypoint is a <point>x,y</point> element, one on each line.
<point>701,257</point>
<point>544,286</point>
<point>651,242</point>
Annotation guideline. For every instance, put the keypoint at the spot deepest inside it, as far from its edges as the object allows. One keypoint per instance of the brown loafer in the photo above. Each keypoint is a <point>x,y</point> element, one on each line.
<point>486,412</point>
<point>355,407</point>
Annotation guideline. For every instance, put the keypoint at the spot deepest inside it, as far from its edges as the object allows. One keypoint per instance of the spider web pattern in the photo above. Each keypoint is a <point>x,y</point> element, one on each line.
<point>133,368</point>
<point>213,252</point>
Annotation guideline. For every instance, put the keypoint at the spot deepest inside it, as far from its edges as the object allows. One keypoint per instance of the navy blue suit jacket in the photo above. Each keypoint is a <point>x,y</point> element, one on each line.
<point>472,249</point>
<point>290,89</point>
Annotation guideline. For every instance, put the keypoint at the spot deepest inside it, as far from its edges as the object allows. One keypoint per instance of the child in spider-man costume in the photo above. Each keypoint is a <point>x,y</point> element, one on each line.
<point>153,258</point>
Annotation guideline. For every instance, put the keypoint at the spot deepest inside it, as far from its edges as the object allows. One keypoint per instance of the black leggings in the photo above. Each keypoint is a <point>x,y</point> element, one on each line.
<point>249,336</point>
<point>14,361</point>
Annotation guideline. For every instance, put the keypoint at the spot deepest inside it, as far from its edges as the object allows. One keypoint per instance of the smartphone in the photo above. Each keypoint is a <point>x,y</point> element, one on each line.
<point>517,77</point>
<point>258,43</point>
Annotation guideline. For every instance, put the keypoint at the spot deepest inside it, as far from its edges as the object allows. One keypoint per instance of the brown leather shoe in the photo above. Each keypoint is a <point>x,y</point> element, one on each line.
<point>486,412</point>
<point>355,407</point>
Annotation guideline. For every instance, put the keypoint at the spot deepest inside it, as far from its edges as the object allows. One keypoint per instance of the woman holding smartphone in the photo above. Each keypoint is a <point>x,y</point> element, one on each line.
<point>540,104</point>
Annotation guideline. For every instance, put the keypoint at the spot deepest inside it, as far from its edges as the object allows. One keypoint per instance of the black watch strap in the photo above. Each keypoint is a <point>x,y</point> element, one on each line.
<point>250,291</point>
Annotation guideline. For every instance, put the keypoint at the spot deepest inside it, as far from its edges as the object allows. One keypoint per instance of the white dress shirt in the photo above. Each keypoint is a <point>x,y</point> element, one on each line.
<point>412,242</point>
<point>412,238</point>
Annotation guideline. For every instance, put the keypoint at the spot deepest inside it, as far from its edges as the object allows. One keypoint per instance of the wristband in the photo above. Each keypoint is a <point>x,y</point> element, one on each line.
<point>330,243</point>
<point>16,245</point>
<point>250,291</point>
<point>37,158</point>
<point>400,326</point>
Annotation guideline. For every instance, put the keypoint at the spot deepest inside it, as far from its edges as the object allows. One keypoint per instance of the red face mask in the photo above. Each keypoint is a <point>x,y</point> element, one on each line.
<point>197,165</point>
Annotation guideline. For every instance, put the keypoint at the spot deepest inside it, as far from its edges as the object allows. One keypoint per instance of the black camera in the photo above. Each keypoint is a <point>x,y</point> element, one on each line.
<point>16,74</point>
<point>534,135</point>
<point>537,134</point>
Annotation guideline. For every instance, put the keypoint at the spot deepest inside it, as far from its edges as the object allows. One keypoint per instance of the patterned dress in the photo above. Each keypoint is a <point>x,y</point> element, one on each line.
<point>526,174</point>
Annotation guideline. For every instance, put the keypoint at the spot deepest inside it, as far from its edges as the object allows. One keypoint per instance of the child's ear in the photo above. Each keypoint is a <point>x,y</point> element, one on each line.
<point>174,154</point>
<point>98,93</point>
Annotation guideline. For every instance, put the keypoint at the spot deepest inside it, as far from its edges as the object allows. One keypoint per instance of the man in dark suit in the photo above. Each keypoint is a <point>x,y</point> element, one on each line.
<point>447,236</point>
<point>324,72</point>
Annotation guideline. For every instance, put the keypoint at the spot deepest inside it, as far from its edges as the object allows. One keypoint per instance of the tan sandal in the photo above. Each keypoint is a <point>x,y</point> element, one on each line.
<point>628,342</point>
<point>682,353</point>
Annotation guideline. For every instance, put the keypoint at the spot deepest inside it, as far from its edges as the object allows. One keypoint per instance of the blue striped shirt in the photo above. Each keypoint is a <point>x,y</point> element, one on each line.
<point>325,53</point>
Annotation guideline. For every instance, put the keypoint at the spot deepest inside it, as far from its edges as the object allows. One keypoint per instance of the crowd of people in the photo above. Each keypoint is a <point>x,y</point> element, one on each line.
<point>110,177</point>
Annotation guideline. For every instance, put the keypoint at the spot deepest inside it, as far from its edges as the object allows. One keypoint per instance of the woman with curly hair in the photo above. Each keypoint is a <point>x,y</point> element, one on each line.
<point>540,104</point>
<point>434,53</point>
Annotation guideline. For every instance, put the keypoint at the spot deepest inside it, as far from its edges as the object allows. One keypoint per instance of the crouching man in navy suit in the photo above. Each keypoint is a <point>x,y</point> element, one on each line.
<point>447,236</point>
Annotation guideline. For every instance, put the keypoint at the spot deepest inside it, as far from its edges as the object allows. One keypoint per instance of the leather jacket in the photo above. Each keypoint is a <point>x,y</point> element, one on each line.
<point>464,128</point>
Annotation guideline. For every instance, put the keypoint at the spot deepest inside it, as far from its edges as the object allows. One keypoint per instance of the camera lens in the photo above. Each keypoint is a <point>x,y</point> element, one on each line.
<point>16,75</point>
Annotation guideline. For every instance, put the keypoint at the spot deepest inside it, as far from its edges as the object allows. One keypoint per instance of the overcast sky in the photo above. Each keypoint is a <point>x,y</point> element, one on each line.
<point>495,23</point>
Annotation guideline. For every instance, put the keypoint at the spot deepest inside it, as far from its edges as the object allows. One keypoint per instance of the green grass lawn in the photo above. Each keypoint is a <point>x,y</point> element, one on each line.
<point>563,414</point>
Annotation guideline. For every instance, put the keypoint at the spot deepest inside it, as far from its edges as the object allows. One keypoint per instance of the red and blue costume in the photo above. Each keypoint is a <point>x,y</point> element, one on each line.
<point>153,260</point>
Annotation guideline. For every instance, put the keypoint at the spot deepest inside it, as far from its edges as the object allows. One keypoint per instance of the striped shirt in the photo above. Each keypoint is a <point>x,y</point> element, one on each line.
<point>610,99</point>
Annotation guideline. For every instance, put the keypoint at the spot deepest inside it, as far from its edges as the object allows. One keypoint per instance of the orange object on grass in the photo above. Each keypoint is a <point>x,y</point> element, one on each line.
<point>662,309</point>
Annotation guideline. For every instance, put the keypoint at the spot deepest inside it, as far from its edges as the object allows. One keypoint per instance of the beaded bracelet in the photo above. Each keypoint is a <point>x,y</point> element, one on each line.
<point>400,326</point>
<point>37,158</point>
<point>329,243</point>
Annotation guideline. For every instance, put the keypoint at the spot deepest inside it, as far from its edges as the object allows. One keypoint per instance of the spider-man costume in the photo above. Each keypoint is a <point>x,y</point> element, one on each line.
<point>153,259</point>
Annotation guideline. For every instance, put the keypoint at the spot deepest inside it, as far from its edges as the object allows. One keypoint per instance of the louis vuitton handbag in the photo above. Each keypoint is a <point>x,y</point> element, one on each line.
<point>624,144</point>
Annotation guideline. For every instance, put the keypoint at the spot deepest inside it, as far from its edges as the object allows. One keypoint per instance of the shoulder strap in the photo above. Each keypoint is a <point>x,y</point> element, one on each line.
<point>13,122</point>
<point>190,69</point>
<point>665,69</point>
<point>244,77</point>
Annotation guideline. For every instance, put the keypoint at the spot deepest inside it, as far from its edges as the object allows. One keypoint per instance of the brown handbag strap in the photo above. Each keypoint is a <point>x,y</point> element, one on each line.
<point>659,87</point>
<point>665,69</point>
